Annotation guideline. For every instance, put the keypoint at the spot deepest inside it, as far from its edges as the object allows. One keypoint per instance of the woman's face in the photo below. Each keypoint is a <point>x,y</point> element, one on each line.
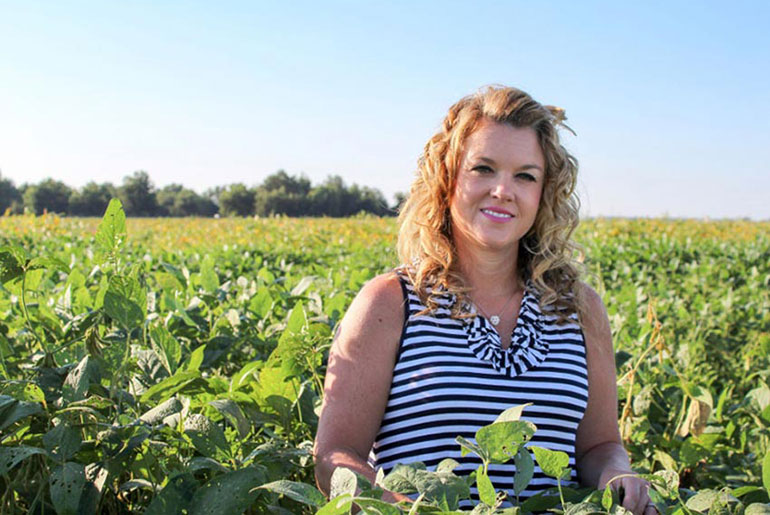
<point>498,187</point>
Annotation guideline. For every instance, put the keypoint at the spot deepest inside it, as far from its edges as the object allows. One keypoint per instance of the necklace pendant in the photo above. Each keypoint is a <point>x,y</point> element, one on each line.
<point>494,319</point>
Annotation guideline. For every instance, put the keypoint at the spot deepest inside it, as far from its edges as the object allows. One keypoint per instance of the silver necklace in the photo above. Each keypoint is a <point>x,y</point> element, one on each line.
<point>495,319</point>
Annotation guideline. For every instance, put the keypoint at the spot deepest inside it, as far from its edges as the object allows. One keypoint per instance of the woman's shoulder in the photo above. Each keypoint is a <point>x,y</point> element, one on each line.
<point>379,303</point>
<point>593,317</point>
<point>383,292</point>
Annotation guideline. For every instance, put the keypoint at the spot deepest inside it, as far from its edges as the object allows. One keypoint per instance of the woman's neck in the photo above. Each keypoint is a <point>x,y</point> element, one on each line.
<point>493,272</point>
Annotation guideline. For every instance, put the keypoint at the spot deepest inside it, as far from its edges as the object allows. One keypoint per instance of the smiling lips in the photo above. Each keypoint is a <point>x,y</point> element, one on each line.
<point>496,214</point>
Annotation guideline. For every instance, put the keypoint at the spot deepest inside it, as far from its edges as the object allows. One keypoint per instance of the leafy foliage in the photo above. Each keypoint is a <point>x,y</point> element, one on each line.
<point>160,367</point>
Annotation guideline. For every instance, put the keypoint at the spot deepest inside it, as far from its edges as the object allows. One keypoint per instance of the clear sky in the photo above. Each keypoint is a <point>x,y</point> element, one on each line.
<point>670,99</point>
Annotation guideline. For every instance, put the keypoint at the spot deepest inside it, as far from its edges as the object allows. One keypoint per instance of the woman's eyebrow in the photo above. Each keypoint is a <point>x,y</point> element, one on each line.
<point>492,162</point>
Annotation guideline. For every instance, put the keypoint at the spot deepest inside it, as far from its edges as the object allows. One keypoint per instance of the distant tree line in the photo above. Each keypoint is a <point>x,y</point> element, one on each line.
<point>279,194</point>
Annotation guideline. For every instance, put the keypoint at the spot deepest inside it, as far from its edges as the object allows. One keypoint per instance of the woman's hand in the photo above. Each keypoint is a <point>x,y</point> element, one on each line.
<point>633,489</point>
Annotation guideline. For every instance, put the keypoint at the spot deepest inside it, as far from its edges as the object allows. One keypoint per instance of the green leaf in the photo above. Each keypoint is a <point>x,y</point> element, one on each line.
<point>525,470</point>
<point>48,263</point>
<point>757,508</point>
<point>79,379</point>
<point>300,492</point>
<point>175,497</point>
<point>111,233</point>
<point>467,446</point>
<point>63,441</point>
<point>163,410</point>
<point>12,261</point>
<point>485,487</point>
<point>446,465</point>
<point>584,508</point>
<point>702,500</point>
<point>12,456</point>
<point>209,279</point>
<point>666,482</point>
<point>376,506</point>
<point>166,347</point>
<point>501,440</point>
<point>261,303</point>
<point>337,506</point>
<point>66,485</point>
<point>233,492</point>
<point>766,472</point>
<point>196,358</point>
<point>540,502</point>
<point>170,385</point>
<point>445,489</point>
<point>512,414</point>
<point>17,410</point>
<point>552,463</point>
<point>207,437</point>
<point>343,482</point>
<point>233,413</point>
<point>122,304</point>
<point>607,498</point>
<point>403,478</point>
<point>297,320</point>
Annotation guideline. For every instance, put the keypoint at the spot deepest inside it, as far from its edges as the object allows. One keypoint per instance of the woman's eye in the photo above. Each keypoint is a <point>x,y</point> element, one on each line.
<point>482,169</point>
<point>527,176</point>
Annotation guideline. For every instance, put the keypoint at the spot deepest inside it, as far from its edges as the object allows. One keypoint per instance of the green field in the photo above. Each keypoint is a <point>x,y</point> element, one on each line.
<point>176,365</point>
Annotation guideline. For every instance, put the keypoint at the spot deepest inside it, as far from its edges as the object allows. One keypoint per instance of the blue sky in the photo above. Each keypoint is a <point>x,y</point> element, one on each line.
<point>670,100</point>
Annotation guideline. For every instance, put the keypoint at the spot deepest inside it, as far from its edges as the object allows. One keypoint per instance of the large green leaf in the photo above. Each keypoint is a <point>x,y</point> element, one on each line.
<point>552,463</point>
<point>63,441</point>
<point>343,482</point>
<point>485,487</point>
<point>525,470</point>
<point>175,497</point>
<point>12,456</point>
<point>207,437</point>
<point>502,440</point>
<point>766,472</point>
<point>403,478</point>
<point>111,233</point>
<point>123,301</point>
<point>208,277</point>
<point>79,379</point>
<point>166,347</point>
<point>12,261</point>
<point>17,410</point>
<point>233,413</point>
<point>161,411</point>
<point>300,492</point>
<point>170,385</point>
<point>66,484</point>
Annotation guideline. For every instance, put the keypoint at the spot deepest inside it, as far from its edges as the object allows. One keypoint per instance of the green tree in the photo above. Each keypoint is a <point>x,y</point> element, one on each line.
<point>281,193</point>
<point>176,200</point>
<point>332,198</point>
<point>10,198</point>
<point>92,199</point>
<point>236,200</point>
<point>138,195</point>
<point>50,195</point>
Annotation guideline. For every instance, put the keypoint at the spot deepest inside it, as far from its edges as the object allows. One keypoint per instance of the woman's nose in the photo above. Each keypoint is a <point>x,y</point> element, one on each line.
<point>502,189</point>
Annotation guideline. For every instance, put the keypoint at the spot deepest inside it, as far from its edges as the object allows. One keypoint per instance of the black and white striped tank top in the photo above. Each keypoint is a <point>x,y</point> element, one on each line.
<point>452,377</point>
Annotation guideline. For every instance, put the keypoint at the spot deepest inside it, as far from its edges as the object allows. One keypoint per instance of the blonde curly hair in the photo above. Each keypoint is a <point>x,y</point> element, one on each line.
<point>547,255</point>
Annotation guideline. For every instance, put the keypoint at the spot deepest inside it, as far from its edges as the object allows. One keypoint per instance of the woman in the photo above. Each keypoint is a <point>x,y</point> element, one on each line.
<point>487,312</point>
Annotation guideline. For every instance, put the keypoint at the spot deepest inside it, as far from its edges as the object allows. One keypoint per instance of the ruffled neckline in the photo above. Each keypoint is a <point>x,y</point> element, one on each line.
<point>528,349</point>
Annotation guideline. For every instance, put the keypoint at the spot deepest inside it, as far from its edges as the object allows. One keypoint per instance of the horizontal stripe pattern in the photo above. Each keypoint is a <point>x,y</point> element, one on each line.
<point>442,388</point>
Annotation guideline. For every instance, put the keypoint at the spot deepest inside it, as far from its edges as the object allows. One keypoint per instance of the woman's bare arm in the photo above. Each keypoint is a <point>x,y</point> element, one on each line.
<point>599,451</point>
<point>358,379</point>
